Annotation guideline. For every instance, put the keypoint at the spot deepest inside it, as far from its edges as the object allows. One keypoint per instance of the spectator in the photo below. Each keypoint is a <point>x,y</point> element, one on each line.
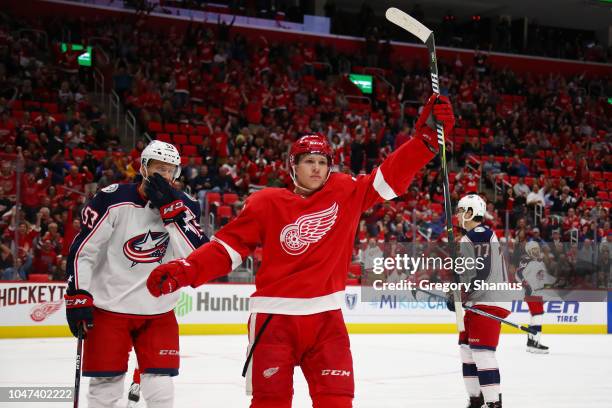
<point>368,255</point>
<point>518,168</point>
<point>520,188</point>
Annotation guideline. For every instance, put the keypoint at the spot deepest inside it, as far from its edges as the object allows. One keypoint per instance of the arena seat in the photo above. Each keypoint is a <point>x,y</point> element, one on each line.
<point>39,277</point>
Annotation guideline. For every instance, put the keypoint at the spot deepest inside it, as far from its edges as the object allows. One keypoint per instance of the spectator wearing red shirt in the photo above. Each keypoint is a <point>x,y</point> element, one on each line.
<point>32,192</point>
<point>232,100</point>
<point>219,142</point>
<point>253,109</point>
<point>568,168</point>
<point>181,89</point>
<point>76,180</point>
<point>8,180</point>
<point>45,258</point>
<point>27,235</point>
<point>53,235</point>
<point>402,137</point>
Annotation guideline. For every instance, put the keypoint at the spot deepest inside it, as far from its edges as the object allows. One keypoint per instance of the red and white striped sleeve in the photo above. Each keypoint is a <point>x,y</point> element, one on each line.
<point>229,247</point>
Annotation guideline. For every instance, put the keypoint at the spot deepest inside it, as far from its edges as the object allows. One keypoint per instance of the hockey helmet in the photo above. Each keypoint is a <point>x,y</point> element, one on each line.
<point>310,144</point>
<point>471,202</point>
<point>532,249</point>
<point>164,152</point>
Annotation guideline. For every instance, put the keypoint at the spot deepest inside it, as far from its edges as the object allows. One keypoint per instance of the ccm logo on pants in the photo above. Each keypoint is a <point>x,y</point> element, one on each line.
<point>339,373</point>
<point>168,352</point>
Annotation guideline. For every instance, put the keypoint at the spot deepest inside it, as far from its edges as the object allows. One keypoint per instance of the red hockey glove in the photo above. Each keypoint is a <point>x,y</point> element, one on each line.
<point>438,107</point>
<point>79,310</point>
<point>169,277</point>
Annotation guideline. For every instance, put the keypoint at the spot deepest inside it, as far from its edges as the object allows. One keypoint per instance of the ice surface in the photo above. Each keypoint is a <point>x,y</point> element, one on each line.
<point>391,371</point>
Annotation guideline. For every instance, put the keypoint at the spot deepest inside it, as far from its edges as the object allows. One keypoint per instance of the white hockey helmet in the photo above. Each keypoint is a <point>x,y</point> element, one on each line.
<point>532,249</point>
<point>164,152</point>
<point>471,202</point>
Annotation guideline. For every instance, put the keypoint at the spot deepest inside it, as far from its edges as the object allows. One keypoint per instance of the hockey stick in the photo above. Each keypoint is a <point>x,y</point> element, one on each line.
<point>485,314</point>
<point>77,373</point>
<point>403,20</point>
<point>255,341</point>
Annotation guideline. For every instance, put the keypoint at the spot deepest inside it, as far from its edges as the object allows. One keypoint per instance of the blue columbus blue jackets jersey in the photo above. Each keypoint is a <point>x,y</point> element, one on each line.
<point>122,240</point>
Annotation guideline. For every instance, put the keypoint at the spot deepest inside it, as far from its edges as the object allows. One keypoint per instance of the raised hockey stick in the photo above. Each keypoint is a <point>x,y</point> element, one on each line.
<point>403,20</point>
<point>526,329</point>
<point>77,373</point>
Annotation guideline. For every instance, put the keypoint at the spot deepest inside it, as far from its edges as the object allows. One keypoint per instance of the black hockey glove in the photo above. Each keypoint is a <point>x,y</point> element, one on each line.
<point>164,197</point>
<point>159,191</point>
<point>79,310</point>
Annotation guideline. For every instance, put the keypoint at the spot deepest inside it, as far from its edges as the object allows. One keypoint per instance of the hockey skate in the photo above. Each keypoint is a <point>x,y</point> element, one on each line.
<point>497,404</point>
<point>476,402</point>
<point>535,347</point>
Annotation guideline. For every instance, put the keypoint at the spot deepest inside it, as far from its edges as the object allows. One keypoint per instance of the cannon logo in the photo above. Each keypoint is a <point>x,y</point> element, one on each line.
<point>146,248</point>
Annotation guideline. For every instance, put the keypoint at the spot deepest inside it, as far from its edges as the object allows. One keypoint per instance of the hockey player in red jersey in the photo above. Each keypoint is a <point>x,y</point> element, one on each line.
<point>307,234</point>
<point>478,342</point>
<point>128,229</point>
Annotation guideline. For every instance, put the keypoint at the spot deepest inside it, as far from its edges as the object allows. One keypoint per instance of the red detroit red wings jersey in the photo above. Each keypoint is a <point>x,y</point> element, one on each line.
<point>307,241</point>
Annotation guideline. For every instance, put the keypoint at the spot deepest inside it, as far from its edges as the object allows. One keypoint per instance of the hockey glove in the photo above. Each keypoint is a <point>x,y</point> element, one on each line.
<point>79,310</point>
<point>169,277</point>
<point>164,197</point>
<point>439,108</point>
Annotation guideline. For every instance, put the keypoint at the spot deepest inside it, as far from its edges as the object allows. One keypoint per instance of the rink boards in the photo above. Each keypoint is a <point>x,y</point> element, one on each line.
<point>37,310</point>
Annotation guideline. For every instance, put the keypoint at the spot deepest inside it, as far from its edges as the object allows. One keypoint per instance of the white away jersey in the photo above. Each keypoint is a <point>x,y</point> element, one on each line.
<point>481,242</point>
<point>122,240</point>
<point>532,273</point>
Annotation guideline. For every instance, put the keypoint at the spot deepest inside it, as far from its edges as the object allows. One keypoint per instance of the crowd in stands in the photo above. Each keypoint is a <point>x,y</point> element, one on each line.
<point>536,147</point>
<point>497,33</point>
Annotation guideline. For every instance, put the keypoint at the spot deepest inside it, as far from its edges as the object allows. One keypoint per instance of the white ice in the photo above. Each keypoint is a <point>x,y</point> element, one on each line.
<point>391,371</point>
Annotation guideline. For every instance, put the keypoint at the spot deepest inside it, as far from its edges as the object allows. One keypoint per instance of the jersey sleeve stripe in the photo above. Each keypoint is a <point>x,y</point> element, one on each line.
<point>382,187</point>
<point>233,254</point>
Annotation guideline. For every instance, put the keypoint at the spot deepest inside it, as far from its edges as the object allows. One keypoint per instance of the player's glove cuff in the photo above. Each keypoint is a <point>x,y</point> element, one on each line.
<point>168,278</point>
<point>79,310</point>
<point>429,137</point>
<point>170,212</point>
<point>78,298</point>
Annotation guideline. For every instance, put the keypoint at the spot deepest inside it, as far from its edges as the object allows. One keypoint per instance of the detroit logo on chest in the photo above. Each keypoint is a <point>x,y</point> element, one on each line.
<point>295,238</point>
